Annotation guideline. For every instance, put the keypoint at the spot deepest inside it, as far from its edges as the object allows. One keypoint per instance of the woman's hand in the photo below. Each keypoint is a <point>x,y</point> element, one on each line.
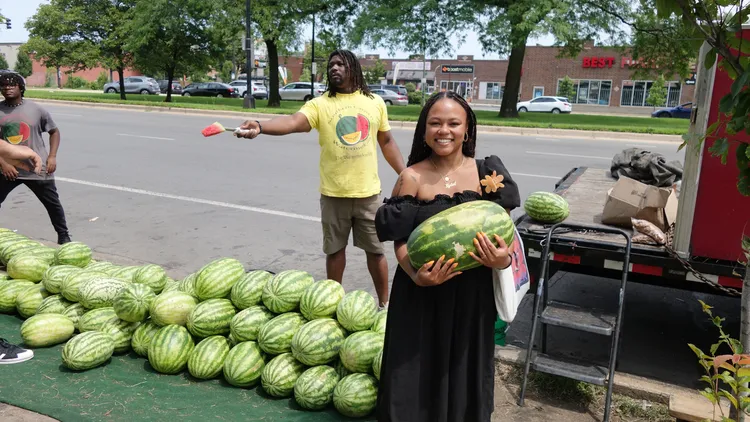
<point>429,275</point>
<point>490,255</point>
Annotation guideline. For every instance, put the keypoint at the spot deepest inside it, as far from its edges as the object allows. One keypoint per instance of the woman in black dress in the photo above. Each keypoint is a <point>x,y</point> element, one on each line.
<point>438,358</point>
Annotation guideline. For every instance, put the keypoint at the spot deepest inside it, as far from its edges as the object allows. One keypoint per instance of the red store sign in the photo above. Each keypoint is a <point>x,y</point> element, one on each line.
<point>600,62</point>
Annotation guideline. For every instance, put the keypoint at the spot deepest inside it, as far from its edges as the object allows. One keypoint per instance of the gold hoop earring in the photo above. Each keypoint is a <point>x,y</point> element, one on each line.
<point>466,137</point>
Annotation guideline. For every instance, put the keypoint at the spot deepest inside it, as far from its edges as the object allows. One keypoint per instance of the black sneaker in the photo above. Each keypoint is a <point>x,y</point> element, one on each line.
<point>63,239</point>
<point>10,353</point>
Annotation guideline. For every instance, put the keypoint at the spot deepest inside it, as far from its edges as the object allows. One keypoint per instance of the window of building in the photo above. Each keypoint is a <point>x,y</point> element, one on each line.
<point>589,91</point>
<point>538,91</point>
<point>635,94</point>
<point>493,90</point>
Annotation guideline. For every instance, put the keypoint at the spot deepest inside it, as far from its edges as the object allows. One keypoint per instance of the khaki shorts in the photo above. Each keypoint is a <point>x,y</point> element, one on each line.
<point>341,215</point>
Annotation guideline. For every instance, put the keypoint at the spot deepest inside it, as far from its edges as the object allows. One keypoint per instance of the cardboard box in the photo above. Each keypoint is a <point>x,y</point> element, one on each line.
<point>631,198</point>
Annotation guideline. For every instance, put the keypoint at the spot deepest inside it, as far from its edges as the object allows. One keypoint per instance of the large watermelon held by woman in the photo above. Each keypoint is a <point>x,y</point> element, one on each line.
<point>452,233</point>
<point>546,207</point>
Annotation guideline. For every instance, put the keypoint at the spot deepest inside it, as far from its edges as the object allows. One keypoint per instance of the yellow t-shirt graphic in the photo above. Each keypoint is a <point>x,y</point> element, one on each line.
<point>348,126</point>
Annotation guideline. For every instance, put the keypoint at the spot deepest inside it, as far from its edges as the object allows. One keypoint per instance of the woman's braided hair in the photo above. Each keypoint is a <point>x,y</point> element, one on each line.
<point>419,148</point>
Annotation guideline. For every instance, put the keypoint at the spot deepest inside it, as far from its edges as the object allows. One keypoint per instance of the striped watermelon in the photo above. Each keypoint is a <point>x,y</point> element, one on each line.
<point>53,278</point>
<point>55,304</point>
<point>232,341</point>
<point>87,350</point>
<point>16,248</point>
<point>341,369</point>
<point>73,253</point>
<point>172,308</point>
<point>29,300</point>
<point>46,330</point>
<point>359,349</point>
<point>356,311</point>
<point>321,299</point>
<point>206,361</point>
<point>100,292</point>
<point>211,317</point>
<point>152,276</point>
<point>246,324</point>
<point>380,320</point>
<point>27,267</point>
<point>95,319</point>
<point>215,280</point>
<point>133,302</point>
<point>275,336</point>
<point>280,374</point>
<point>9,290</point>
<point>284,291</point>
<point>356,395</point>
<point>44,253</point>
<point>244,364</point>
<point>175,285</point>
<point>546,207</point>
<point>75,312</point>
<point>314,388</point>
<point>126,273</point>
<point>248,290</point>
<point>318,342</point>
<point>170,349</point>
<point>142,337</point>
<point>121,332</point>
<point>187,285</point>
<point>72,283</point>
<point>452,233</point>
<point>376,363</point>
<point>102,266</point>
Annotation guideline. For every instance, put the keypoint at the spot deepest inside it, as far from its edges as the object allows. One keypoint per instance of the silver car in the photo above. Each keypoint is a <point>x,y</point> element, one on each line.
<point>300,91</point>
<point>135,85</point>
<point>391,98</point>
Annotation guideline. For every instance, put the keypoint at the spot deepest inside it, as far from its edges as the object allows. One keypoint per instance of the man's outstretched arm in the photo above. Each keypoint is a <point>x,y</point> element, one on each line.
<point>284,125</point>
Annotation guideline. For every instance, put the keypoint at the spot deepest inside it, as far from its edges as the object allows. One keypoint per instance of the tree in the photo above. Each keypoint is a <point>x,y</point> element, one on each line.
<point>657,94</point>
<point>3,62</point>
<point>326,42</point>
<point>173,36</point>
<point>567,89</point>
<point>373,74</point>
<point>24,67</point>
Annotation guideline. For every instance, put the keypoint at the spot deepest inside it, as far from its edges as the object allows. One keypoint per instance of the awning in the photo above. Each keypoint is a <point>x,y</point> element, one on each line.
<point>410,75</point>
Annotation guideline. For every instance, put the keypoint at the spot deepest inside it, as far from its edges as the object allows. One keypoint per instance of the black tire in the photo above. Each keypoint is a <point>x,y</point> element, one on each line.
<point>665,114</point>
<point>185,94</point>
<point>111,90</point>
<point>555,111</point>
<point>388,102</point>
<point>219,95</point>
<point>522,110</point>
<point>308,98</point>
<point>144,92</point>
<point>244,94</point>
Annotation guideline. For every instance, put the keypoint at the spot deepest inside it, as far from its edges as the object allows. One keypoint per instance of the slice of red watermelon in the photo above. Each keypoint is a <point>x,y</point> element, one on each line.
<point>214,129</point>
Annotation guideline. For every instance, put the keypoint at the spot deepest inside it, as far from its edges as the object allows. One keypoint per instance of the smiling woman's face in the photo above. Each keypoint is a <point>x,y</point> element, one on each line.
<point>446,127</point>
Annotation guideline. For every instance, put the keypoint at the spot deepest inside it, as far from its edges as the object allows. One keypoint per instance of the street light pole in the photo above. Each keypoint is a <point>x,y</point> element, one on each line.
<point>312,62</point>
<point>249,101</point>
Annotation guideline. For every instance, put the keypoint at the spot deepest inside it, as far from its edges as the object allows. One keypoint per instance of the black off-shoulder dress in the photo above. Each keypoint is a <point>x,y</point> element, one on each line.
<point>438,357</point>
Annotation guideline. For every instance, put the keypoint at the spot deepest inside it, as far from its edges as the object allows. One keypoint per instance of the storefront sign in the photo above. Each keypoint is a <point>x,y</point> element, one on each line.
<point>600,62</point>
<point>452,68</point>
<point>629,62</point>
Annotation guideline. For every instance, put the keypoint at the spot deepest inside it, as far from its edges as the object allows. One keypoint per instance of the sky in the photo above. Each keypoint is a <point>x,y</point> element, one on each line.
<point>21,10</point>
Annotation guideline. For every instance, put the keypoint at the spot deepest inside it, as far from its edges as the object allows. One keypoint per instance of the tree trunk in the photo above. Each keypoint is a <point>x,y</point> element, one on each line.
<point>170,77</point>
<point>59,80</point>
<point>513,75</point>
<point>121,75</point>
<point>274,99</point>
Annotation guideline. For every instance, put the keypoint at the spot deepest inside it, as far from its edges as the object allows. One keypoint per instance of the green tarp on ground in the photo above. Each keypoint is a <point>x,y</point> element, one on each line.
<point>127,389</point>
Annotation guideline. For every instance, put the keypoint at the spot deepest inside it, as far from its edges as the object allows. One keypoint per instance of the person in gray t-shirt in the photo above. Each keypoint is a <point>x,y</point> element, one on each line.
<point>22,123</point>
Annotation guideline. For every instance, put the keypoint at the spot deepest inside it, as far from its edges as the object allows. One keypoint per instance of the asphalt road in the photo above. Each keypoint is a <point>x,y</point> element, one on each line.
<point>148,186</point>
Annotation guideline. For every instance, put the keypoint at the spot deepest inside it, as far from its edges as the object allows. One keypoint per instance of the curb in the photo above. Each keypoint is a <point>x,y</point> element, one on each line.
<point>684,403</point>
<point>505,130</point>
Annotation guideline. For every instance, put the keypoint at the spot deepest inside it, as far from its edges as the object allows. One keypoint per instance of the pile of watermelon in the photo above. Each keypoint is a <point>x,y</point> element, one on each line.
<point>286,332</point>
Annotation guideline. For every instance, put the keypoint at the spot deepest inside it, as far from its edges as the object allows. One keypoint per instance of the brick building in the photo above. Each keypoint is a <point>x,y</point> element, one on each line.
<point>602,77</point>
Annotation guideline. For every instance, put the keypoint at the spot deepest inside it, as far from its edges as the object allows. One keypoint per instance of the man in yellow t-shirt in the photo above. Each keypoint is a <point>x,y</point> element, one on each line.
<point>351,122</point>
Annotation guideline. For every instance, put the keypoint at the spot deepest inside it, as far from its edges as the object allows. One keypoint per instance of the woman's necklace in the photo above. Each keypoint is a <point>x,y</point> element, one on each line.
<point>448,182</point>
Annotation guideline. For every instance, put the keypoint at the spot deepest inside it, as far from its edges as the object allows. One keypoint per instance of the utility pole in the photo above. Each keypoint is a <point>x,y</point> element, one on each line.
<point>312,61</point>
<point>249,101</point>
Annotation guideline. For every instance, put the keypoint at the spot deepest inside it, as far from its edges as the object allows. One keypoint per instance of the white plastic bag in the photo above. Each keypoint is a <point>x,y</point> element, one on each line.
<point>511,284</point>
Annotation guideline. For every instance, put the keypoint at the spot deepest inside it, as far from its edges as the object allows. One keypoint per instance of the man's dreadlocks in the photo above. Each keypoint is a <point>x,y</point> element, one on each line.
<point>354,70</point>
<point>11,79</point>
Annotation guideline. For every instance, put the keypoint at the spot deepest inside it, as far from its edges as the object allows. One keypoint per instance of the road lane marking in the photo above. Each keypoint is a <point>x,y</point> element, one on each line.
<point>190,199</point>
<point>67,114</point>
<point>568,155</point>
<point>145,137</point>
<point>546,139</point>
<point>513,174</point>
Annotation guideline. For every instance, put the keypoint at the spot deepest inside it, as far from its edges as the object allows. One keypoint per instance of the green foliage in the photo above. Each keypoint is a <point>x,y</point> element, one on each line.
<point>226,71</point>
<point>326,42</point>
<point>567,88</point>
<point>75,82</point>
<point>725,370</point>
<point>415,97</point>
<point>100,81</point>
<point>657,94</point>
<point>24,67</point>
<point>410,87</point>
<point>3,62</point>
<point>374,73</point>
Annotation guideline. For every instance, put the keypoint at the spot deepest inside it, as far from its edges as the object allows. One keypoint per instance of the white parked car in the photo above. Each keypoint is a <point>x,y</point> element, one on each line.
<point>555,105</point>
<point>300,91</point>
<point>259,90</point>
<point>391,98</point>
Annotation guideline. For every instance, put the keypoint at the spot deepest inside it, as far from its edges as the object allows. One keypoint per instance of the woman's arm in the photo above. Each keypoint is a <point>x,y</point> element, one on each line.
<point>403,259</point>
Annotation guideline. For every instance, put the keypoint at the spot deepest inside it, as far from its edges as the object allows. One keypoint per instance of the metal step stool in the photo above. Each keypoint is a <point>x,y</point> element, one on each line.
<point>549,312</point>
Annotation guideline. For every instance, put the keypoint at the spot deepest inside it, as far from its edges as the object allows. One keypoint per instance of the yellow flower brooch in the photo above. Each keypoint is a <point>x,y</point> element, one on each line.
<point>492,183</point>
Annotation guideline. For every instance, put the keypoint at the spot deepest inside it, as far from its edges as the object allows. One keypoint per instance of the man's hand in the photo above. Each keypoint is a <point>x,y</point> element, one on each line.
<point>10,172</point>
<point>249,129</point>
<point>51,164</point>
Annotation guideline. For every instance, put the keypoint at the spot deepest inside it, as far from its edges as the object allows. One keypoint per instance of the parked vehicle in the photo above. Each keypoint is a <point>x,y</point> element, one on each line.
<point>176,87</point>
<point>300,91</point>
<point>545,104</point>
<point>392,98</point>
<point>134,85</point>
<point>399,89</point>
<point>259,90</point>
<point>210,89</point>
<point>682,111</point>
